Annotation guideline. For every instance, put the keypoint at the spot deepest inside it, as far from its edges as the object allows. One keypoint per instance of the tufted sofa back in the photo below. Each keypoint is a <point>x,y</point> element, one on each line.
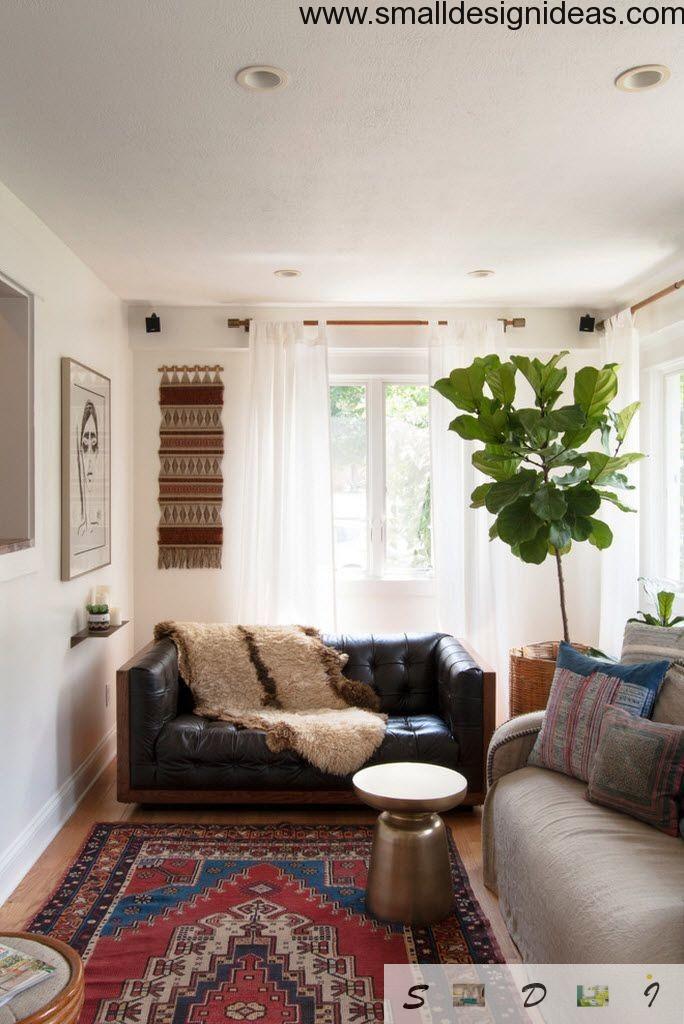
<point>401,668</point>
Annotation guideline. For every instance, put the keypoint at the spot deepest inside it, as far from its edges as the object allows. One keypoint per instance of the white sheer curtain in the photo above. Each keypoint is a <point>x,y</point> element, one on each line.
<point>287,562</point>
<point>470,570</point>
<point>620,562</point>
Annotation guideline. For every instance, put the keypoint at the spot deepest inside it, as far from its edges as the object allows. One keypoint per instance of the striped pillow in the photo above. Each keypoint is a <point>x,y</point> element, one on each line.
<point>651,643</point>
<point>638,768</point>
<point>570,731</point>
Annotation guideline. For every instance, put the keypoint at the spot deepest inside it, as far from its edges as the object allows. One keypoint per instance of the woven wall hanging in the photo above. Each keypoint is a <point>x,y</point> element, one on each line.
<point>190,477</point>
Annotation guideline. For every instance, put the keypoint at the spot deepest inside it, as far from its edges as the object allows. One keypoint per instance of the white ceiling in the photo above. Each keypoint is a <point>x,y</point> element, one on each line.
<point>396,160</point>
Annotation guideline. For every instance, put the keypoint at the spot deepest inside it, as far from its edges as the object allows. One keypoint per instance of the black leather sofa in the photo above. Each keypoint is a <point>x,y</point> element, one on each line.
<point>439,699</point>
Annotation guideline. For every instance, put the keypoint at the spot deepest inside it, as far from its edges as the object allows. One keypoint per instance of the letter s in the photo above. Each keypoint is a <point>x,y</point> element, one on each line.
<point>419,999</point>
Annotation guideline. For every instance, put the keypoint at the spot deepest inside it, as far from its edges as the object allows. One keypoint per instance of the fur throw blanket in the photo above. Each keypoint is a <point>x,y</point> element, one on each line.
<point>285,681</point>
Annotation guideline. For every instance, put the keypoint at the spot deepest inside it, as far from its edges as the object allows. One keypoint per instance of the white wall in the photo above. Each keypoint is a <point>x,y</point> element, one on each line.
<point>200,335</point>
<point>55,731</point>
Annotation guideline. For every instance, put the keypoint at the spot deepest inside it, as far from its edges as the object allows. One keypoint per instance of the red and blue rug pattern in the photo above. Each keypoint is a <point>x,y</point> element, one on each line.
<point>201,924</point>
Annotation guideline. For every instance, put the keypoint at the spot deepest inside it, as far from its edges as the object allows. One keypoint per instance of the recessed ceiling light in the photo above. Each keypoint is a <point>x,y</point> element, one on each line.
<point>645,76</point>
<point>480,273</point>
<point>262,78</point>
<point>287,273</point>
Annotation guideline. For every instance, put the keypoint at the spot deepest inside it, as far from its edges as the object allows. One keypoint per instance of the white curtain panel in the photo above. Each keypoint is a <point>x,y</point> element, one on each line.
<point>287,561</point>
<point>470,570</point>
<point>620,562</point>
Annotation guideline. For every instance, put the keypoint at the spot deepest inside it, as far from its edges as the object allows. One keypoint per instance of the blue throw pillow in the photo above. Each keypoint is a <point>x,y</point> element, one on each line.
<point>644,680</point>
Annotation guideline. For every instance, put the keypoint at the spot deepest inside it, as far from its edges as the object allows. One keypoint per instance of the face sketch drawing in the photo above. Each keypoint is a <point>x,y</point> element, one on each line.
<point>88,455</point>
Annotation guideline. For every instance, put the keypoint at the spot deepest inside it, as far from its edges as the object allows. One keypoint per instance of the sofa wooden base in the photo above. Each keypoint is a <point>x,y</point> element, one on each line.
<point>252,796</point>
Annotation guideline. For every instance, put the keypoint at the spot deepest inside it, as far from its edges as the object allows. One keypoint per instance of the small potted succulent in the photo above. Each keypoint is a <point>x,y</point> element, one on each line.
<point>98,618</point>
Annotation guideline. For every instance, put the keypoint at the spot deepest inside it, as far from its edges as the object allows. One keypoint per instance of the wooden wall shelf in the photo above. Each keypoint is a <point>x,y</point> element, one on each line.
<point>85,634</point>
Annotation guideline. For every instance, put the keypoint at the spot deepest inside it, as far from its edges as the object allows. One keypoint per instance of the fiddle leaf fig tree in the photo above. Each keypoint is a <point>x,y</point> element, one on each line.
<point>543,490</point>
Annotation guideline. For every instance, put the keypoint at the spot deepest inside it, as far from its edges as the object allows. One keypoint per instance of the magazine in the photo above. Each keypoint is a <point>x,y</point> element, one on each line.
<point>19,972</point>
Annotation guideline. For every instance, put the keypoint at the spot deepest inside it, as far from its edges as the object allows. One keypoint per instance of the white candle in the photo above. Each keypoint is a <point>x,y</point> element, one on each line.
<point>114,616</point>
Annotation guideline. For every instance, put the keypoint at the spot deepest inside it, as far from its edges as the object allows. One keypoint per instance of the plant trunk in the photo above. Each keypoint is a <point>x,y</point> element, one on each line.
<point>561,588</point>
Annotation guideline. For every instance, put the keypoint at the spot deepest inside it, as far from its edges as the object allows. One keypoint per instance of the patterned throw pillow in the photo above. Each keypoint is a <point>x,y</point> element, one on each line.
<point>570,731</point>
<point>638,768</point>
<point>648,674</point>
<point>643,643</point>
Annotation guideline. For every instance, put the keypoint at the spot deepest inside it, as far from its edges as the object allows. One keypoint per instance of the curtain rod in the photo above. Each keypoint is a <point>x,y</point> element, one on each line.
<point>649,299</point>
<point>517,321</point>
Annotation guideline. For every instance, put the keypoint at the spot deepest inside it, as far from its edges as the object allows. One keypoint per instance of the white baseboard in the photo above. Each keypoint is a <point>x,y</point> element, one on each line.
<point>20,856</point>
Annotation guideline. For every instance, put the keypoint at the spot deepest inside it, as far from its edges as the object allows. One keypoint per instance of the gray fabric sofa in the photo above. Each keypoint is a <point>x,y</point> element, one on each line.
<point>577,883</point>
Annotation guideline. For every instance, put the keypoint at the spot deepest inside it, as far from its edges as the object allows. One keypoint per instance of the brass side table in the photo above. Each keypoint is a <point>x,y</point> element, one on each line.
<point>58,999</point>
<point>409,878</point>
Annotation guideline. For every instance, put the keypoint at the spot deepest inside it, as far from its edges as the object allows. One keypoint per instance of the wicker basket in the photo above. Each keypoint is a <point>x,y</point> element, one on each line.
<point>531,674</point>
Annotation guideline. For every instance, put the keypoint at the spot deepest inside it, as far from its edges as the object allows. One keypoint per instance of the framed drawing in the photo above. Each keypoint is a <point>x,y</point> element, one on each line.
<point>86,470</point>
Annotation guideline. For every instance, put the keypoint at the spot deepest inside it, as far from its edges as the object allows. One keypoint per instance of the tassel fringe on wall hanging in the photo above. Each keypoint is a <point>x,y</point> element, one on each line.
<point>190,477</point>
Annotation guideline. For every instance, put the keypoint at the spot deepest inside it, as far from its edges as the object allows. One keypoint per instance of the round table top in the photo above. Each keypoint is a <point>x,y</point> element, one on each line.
<point>410,786</point>
<point>38,998</point>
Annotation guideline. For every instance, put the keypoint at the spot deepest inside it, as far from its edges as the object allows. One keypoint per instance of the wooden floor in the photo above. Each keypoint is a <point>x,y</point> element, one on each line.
<point>100,804</point>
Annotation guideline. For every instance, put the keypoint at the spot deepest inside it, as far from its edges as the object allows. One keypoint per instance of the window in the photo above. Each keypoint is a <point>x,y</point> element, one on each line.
<point>674,475</point>
<point>381,478</point>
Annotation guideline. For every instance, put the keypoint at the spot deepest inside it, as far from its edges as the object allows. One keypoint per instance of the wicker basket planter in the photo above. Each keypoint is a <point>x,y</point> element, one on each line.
<point>531,674</point>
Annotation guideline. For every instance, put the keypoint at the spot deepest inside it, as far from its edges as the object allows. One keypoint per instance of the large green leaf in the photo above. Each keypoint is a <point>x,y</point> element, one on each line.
<point>559,535</point>
<point>595,389</point>
<point>501,380</point>
<point>568,417</point>
<point>548,503</point>
<point>576,438</point>
<point>614,500</point>
<point>516,522</point>
<point>603,466</point>
<point>468,382</point>
<point>623,420</point>
<point>529,370</point>
<point>601,535</point>
<point>477,498</point>
<point>473,428</point>
<point>665,604</point>
<point>576,476</point>
<point>536,549</point>
<point>532,423</point>
<point>496,461</point>
<point>582,500</point>
<point>447,390</point>
<point>503,493</point>
<point>581,527</point>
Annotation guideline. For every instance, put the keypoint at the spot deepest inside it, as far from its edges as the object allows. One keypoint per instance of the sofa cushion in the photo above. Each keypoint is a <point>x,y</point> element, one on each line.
<point>642,642</point>
<point>579,883</point>
<point>195,753</point>
<point>401,668</point>
<point>638,768</point>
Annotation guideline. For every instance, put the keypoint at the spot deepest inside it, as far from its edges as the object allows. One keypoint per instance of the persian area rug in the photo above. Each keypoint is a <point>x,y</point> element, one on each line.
<point>190,476</point>
<point>206,923</point>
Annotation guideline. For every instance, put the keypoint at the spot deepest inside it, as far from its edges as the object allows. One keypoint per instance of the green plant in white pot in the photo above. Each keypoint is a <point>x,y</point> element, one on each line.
<point>544,490</point>
<point>98,617</point>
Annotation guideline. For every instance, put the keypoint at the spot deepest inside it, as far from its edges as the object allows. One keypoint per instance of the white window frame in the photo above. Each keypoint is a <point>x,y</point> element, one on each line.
<point>411,582</point>
<point>671,466</point>
<point>661,481</point>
